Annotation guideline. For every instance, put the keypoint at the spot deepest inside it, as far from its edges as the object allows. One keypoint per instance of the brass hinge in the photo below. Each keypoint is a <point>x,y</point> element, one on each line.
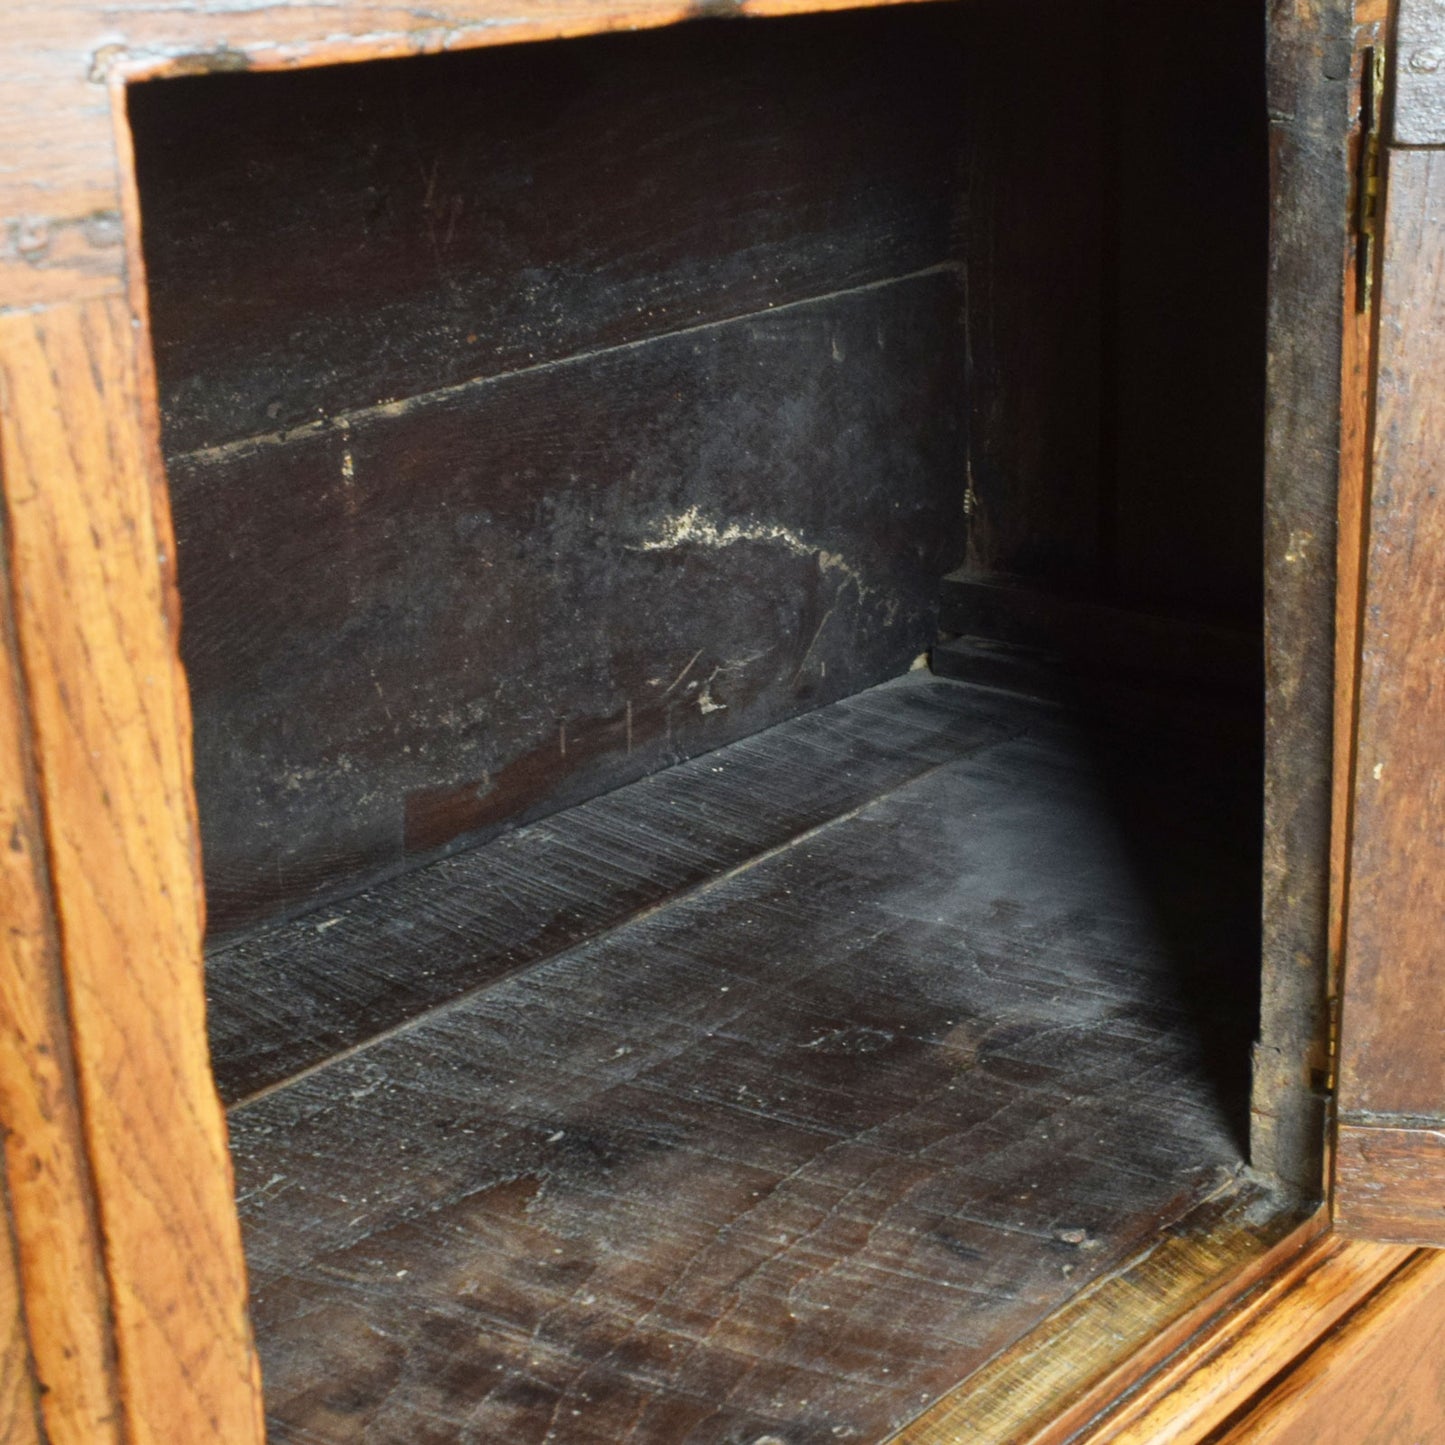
<point>1367,180</point>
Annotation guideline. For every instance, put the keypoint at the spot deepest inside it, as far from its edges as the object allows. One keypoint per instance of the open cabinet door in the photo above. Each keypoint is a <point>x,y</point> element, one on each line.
<point>1390,1146</point>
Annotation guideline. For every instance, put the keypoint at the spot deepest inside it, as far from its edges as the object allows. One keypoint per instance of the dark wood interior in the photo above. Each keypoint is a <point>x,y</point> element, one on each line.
<point>645,1013</point>
<point>487,493</point>
<point>947,1016</point>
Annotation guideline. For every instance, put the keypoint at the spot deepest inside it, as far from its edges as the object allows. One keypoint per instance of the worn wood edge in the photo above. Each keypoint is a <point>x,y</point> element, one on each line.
<point>1239,1353</point>
<point>486,25</point>
<point>52,1203</point>
<point>59,232</point>
<point>1333,1353</point>
<point>91,564</point>
<point>1389,1182</point>
<point>1056,1380</point>
<point>1308,126</point>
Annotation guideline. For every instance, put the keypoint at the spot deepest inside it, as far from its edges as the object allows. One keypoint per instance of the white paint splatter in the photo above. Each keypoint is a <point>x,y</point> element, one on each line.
<point>693,529</point>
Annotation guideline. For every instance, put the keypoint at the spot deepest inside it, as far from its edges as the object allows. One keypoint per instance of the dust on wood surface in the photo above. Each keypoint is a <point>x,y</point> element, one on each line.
<point>791,1155</point>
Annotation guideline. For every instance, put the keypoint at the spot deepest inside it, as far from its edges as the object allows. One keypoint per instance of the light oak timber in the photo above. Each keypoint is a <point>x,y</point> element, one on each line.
<point>1378,1378</point>
<point>19,1424</point>
<point>1356,398</point>
<point>1229,1362</point>
<point>52,1196</point>
<point>96,616</point>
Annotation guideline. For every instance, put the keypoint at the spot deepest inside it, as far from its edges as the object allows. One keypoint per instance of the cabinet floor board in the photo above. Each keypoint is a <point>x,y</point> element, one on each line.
<point>834,1062</point>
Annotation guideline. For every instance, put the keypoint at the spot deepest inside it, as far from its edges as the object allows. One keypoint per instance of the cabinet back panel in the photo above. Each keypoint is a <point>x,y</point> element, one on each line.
<point>450,347</point>
<point>640,368</point>
<point>328,239</point>
<point>488,604</point>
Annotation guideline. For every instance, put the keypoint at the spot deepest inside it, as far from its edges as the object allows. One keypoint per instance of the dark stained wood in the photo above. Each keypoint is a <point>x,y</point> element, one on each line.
<point>1034,293</point>
<point>60,233</point>
<point>1392,1068</point>
<point>1185,319</point>
<point>450,616</point>
<point>1108,456</point>
<point>1311,109</point>
<point>318,241</point>
<point>286,997</point>
<point>1390,1183</point>
<point>1096,639</point>
<point>795,1152</point>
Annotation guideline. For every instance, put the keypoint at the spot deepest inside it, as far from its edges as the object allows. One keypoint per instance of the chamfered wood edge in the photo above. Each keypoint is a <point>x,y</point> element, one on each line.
<point>1242,1350</point>
<point>1072,1369</point>
<point>1167,1350</point>
<point>1316,1395</point>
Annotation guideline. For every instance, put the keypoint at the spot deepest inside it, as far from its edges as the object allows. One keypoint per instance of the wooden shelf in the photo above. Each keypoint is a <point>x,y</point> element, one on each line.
<point>768,1097</point>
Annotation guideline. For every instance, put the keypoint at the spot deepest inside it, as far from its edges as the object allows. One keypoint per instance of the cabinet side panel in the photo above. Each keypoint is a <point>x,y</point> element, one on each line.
<point>94,607</point>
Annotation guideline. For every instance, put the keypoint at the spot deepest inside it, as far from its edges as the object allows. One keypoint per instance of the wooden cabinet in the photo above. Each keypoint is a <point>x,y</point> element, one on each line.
<point>643,1004</point>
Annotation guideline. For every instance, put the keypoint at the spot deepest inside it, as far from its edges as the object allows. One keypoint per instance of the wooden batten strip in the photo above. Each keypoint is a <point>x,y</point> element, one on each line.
<point>96,620</point>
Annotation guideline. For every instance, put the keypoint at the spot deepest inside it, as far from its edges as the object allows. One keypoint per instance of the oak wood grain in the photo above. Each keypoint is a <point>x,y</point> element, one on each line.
<point>1378,1378</point>
<point>95,617</point>
<point>1390,1183</point>
<point>51,1187</point>
<point>1391,1064</point>
<point>1226,1364</point>
<point>1357,370</point>
<point>19,1419</point>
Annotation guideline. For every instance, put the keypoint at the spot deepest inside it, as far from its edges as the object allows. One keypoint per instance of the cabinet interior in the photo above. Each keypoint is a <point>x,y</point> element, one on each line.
<point>721,573</point>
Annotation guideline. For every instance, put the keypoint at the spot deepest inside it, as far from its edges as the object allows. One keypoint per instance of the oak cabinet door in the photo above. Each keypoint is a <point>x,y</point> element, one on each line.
<point>1390,1145</point>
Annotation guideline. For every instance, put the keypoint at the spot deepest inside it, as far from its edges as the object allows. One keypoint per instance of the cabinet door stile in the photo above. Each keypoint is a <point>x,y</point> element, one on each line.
<point>1390,1156</point>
